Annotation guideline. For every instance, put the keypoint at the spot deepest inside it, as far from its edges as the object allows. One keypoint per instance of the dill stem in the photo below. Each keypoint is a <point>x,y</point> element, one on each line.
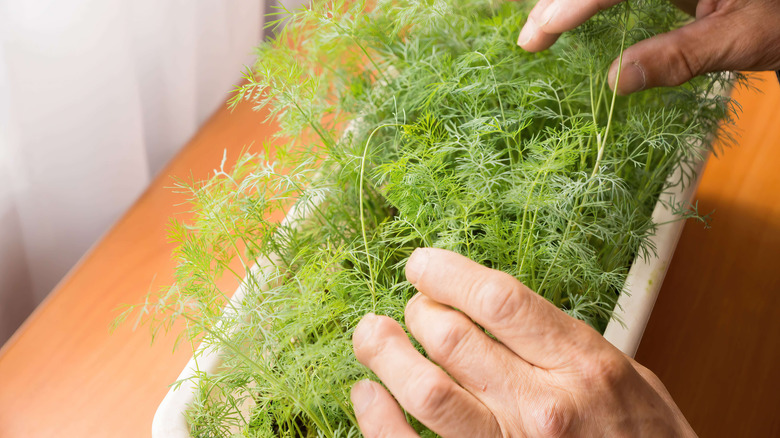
<point>564,239</point>
<point>322,214</point>
<point>603,141</point>
<point>234,245</point>
<point>315,126</point>
<point>593,108</point>
<point>495,84</point>
<point>560,104</point>
<point>325,418</point>
<point>594,111</point>
<point>371,278</point>
<point>528,242</point>
<point>347,410</point>
<point>520,261</point>
<point>363,49</point>
<point>568,101</point>
<point>226,266</point>
<point>328,221</point>
<point>370,59</point>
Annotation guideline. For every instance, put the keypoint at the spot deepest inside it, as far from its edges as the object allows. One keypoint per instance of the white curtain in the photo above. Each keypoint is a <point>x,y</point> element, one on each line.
<point>95,97</point>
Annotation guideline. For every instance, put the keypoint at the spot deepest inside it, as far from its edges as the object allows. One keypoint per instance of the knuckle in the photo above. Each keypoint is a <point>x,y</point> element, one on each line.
<point>685,65</point>
<point>430,393</point>
<point>500,298</point>
<point>371,338</point>
<point>447,339</point>
<point>553,417</point>
<point>649,376</point>
<point>606,370</point>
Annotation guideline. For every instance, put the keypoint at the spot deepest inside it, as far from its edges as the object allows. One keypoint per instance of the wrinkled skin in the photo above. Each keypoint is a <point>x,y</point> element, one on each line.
<point>725,35</point>
<point>544,375</point>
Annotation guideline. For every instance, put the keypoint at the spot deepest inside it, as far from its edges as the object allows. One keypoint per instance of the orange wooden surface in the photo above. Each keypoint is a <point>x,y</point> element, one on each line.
<point>63,374</point>
<point>714,337</point>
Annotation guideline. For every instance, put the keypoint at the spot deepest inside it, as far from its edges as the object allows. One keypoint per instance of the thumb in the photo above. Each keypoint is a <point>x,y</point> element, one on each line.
<point>675,57</point>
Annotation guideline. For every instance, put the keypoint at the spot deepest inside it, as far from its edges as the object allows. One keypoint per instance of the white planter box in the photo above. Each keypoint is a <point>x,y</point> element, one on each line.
<point>624,330</point>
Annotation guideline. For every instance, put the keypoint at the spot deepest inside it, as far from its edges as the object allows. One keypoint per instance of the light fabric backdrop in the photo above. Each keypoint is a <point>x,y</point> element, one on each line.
<point>95,97</point>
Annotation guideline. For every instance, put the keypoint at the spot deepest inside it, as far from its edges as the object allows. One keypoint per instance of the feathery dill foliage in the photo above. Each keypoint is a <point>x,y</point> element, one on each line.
<point>456,139</point>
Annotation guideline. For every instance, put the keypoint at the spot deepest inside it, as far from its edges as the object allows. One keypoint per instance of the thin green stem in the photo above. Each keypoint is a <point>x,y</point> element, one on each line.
<point>361,181</point>
<point>603,140</point>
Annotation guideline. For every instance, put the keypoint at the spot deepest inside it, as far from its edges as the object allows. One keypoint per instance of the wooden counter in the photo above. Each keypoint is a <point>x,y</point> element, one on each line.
<point>63,374</point>
<point>714,337</point>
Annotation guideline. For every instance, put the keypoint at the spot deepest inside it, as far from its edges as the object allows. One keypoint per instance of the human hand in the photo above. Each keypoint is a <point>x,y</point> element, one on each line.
<point>546,375</point>
<point>726,35</point>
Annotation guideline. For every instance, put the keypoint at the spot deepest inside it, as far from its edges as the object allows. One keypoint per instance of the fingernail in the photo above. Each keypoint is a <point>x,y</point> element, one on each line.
<point>363,330</point>
<point>550,13</point>
<point>416,264</point>
<point>413,299</point>
<point>632,78</point>
<point>362,394</point>
<point>527,32</point>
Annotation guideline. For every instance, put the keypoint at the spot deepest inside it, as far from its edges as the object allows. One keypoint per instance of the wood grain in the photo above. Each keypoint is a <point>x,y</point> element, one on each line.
<point>714,337</point>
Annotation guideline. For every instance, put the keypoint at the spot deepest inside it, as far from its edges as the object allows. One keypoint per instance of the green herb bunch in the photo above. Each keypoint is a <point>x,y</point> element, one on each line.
<point>411,123</point>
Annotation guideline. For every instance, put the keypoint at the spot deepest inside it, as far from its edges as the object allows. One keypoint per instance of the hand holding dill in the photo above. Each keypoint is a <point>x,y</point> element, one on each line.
<point>725,35</point>
<point>544,374</point>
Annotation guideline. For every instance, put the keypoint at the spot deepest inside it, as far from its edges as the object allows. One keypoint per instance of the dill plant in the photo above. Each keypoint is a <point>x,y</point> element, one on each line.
<point>418,123</point>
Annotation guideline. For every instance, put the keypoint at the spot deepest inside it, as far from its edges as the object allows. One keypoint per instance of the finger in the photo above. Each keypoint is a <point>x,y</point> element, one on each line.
<point>714,43</point>
<point>563,15</point>
<point>531,38</point>
<point>651,379</point>
<point>525,322</point>
<point>422,388</point>
<point>486,368</point>
<point>377,413</point>
<point>534,40</point>
<point>549,18</point>
<point>659,388</point>
<point>668,59</point>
